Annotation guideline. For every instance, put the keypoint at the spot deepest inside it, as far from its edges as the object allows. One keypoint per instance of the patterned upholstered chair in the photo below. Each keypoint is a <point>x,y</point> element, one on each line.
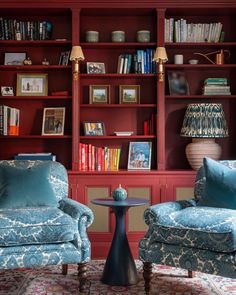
<point>192,234</point>
<point>39,224</point>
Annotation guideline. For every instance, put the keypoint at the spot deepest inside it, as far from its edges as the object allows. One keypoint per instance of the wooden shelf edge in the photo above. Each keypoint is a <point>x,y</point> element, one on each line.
<point>135,172</point>
<point>117,137</point>
<point>200,96</point>
<point>36,97</point>
<point>118,105</point>
<point>36,137</point>
<point>205,44</point>
<point>115,75</point>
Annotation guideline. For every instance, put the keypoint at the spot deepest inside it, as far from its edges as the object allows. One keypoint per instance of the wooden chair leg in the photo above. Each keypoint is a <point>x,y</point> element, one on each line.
<point>191,274</point>
<point>64,269</point>
<point>147,275</point>
<point>82,275</point>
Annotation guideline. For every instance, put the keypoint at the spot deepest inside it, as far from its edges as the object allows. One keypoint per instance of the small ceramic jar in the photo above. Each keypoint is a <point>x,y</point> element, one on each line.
<point>119,194</point>
<point>92,36</point>
<point>143,36</point>
<point>118,36</point>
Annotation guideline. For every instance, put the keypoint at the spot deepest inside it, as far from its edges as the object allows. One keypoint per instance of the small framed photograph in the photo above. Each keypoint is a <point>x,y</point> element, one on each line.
<point>94,128</point>
<point>178,84</point>
<point>53,121</point>
<point>139,156</point>
<point>129,94</point>
<point>99,94</point>
<point>96,68</point>
<point>14,58</point>
<point>32,85</point>
<point>7,91</point>
<point>64,58</point>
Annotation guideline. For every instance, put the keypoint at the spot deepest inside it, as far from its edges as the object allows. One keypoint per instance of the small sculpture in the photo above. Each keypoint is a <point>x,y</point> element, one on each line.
<point>119,194</point>
<point>45,62</point>
<point>27,61</point>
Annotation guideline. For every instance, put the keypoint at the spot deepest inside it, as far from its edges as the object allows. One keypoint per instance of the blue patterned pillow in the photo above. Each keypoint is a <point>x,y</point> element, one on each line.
<point>220,187</point>
<point>26,187</point>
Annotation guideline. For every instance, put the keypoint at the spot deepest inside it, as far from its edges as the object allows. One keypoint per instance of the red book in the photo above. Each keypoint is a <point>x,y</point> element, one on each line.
<point>145,128</point>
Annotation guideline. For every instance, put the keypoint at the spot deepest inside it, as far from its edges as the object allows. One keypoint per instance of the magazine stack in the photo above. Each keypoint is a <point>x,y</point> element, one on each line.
<point>216,86</point>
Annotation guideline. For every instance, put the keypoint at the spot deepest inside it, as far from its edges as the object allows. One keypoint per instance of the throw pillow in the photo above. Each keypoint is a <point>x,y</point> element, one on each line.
<point>220,187</point>
<point>26,187</point>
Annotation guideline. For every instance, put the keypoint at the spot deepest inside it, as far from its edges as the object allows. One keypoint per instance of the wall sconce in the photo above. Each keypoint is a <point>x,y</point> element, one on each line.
<point>76,56</point>
<point>160,57</point>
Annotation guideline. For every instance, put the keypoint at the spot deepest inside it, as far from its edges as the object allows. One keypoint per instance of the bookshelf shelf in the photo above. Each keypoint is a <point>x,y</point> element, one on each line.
<point>200,97</point>
<point>209,66</point>
<point>200,44</point>
<point>34,43</point>
<point>34,67</point>
<point>117,137</point>
<point>29,137</point>
<point>122,45</point>
<point>117,106</point>
<point>114,76</point>
<point>29,98</point>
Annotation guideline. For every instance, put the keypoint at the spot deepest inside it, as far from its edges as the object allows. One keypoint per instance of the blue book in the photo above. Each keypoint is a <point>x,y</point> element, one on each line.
<point>35,157</point>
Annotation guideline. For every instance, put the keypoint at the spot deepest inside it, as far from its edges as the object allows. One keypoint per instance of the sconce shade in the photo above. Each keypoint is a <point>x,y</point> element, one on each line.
<point>205,120</point>
<point>160,55</point>
<point>76,53</point>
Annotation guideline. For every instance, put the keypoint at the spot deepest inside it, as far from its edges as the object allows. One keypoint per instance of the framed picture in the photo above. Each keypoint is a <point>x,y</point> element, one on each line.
<point>99,94</point>
<point>96,68</point>
<point>7,91</point>
<point>94,128</point>
<point>64,58</point>
<point>53,121</point>
<point>129,94</point>
<point>139,155</point>
<point>178,84</point>
<point>14,58</point>
<point>32,85</point>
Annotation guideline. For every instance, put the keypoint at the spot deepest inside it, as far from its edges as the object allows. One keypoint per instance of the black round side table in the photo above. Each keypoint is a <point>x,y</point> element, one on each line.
<point>120,269</point>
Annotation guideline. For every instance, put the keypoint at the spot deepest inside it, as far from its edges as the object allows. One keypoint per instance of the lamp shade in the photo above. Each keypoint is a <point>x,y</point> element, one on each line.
<point>76,53</point>
<point>205,120</point>
<point>160,55</point>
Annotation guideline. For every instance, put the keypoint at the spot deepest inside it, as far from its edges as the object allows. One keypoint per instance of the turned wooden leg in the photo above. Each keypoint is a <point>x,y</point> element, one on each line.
<point>64,269</point>
<point>82,275</point>
<point>147,275</point>
<point>191,274</point>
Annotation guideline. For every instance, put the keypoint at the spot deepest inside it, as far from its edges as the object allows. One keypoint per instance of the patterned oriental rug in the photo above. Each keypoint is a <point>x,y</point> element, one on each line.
<point>166,281</point>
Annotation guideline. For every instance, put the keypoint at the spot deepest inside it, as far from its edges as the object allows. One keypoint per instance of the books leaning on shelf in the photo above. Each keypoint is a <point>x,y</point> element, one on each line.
<point>216,86</point>
<point>181,31</point>
<point>9,120</point>
<point>35,156</point>
<point>139,63</point>
<point>94,158</point>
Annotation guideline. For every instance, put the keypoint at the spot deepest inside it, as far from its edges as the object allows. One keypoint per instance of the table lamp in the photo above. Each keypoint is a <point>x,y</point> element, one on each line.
<point>203,122</point>
<point>76,56</point>
<point>160,57</point>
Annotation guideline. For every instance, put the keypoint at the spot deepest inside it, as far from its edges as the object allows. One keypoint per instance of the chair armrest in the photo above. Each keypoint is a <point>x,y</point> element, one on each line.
<point>76,210</point>
<point>155,212</point>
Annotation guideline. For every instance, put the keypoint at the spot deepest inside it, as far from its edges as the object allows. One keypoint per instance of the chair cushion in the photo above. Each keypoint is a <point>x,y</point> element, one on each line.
<point>220,186</point>
<point>26,187</point>
<point>35,226</point>
<point>199,227</point>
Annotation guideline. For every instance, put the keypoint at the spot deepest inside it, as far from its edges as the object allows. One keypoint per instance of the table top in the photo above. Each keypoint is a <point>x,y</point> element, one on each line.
<point>129,202</point>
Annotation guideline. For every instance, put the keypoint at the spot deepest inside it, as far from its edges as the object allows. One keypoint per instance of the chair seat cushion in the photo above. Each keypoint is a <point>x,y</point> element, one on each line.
<point>199,227</point>
<point>35,226</point>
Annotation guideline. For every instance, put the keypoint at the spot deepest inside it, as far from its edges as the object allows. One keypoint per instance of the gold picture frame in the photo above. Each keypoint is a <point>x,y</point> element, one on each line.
<point>129,94</point>
<point>53,121</point>
<point>32,84</point>
<point>99,94</point>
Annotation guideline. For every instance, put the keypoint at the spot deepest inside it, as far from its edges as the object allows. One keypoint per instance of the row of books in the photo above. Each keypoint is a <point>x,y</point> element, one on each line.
<point>149,126</point>
<point>181,31</point>
<point>9,120</point>
<point>93,158</point>
<point>216,86</point>
<point>139,63</point>
<point>35,156</point>
<point>12,29</point>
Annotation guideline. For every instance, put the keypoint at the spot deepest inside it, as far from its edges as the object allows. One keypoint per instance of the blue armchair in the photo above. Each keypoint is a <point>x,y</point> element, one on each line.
<point>39,224</point>
<point>197,234</point>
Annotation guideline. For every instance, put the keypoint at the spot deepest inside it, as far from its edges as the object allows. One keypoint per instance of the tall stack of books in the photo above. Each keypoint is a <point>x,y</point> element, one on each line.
<point>9,120</point>
<point>216,86</point>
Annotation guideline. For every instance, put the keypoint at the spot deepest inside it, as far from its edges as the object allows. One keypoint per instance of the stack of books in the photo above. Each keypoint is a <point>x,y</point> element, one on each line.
<point>35,156</point>
<point>9,120</point>
<point>216,86</point>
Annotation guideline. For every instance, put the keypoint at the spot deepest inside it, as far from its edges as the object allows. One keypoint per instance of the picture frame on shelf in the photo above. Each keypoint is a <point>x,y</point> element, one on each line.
<point>14,58</point>
<point>140,155</point>
<point>96,68</point>
<point>53,121</point>
<point>178,84</point>
<point>64,58</point>
<point>32,84</point>
<point>7,91</point>
<point>94,128</point>
<point>99,94</point>
<point>129,94</point>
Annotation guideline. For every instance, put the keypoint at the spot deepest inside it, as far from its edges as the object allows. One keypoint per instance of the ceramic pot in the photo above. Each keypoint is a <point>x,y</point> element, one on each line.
<point>118,36</point>
<point>119,194</point>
